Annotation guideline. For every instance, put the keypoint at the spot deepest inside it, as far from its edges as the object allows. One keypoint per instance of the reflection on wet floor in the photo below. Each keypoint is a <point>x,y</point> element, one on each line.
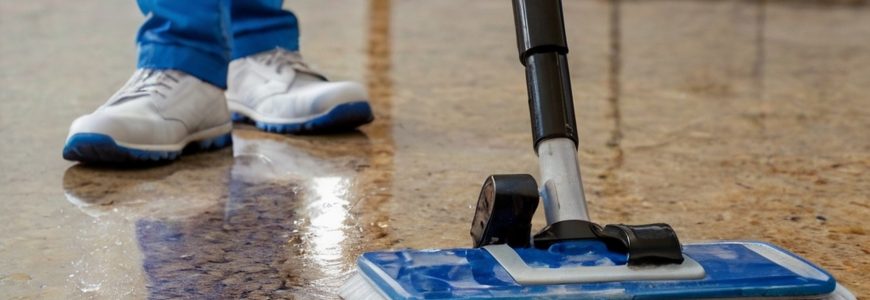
<point>269,219</point>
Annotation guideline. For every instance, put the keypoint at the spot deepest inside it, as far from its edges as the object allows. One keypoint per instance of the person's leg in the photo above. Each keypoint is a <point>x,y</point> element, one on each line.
<point>187,35</point>
<point>261,25</point>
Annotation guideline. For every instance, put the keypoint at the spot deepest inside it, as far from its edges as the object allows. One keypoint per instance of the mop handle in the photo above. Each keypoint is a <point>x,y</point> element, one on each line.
<point>543,48</point>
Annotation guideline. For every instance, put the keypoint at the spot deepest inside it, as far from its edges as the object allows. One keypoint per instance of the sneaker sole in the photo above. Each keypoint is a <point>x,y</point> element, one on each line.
<point>342,117</point>
<point>101,148</point>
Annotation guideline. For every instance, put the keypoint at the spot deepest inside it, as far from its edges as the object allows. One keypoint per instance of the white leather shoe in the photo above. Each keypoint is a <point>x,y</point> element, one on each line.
<point>279,93</point>
<point>153,117</point>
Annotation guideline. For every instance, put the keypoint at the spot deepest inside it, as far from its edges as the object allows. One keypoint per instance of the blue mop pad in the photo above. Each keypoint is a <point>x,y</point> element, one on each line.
<point>587,270</point>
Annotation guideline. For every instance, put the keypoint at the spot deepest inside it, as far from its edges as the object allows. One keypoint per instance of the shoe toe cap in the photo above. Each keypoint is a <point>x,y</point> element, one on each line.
<point>332,94</point>
<point>95,123</point>
<point>312,100</point>
<point>127,129</point>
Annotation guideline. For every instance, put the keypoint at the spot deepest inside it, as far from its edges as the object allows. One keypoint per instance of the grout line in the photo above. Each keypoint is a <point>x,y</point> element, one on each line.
<point>612,185</point>
<point>614,71</point>
<point>374,188</point>
<point>758,66</point>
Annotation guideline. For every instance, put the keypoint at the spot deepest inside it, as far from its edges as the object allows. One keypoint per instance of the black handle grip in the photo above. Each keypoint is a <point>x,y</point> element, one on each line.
<point>543,48</point>
<point>540,27</point>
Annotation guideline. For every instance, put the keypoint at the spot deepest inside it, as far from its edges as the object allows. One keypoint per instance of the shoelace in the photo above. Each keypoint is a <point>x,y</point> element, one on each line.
<point>280,59</point>
<point>146,82</point>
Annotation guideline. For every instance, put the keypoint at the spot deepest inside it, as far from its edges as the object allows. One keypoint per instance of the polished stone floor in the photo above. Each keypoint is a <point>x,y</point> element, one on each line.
<point>726,119</point>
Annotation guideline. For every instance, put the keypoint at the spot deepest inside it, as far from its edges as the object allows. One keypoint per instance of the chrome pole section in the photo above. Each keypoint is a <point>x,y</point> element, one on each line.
<point>561,186</point>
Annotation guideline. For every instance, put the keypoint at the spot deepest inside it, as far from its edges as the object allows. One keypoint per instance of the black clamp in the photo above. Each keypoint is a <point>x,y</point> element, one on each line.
<point>655,244</point>
<point>504,211</point>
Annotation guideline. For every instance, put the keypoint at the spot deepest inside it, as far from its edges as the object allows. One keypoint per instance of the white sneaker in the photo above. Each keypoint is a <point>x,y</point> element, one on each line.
<point>279,93</point>
<point>153,117</point>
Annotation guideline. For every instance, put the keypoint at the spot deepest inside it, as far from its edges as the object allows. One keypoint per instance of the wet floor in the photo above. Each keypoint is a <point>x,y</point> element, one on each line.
<point>269,217</point>
<point>727,119</point>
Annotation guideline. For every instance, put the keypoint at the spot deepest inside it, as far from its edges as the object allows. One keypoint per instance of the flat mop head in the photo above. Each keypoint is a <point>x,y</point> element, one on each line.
<point>588,270</point>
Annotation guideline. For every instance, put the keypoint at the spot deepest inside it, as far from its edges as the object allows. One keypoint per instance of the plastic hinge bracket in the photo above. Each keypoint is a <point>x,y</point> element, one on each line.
<point>522,273</point>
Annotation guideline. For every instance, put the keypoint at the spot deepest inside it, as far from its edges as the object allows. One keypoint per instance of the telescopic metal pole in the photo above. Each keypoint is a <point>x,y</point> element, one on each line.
<point>543,48</point>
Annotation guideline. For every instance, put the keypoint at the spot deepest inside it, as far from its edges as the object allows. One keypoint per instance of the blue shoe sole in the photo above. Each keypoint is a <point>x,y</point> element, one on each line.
<point>101,148</point>
<point>342,117</point>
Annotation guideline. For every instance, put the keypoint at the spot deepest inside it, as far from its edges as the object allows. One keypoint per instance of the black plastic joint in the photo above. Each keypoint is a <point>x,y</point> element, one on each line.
<point>646,244</point>
<point>566,230</point>
<point>504,211</point>
<point>651,244</point>
<point>551,103</point>
<point>540,27</point>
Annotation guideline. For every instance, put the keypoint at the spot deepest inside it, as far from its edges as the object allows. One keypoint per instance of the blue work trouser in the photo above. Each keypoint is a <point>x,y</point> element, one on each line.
<point>200,37</point>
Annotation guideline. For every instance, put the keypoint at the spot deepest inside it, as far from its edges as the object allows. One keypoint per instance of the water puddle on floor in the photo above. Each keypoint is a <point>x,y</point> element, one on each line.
<point>278,217</point>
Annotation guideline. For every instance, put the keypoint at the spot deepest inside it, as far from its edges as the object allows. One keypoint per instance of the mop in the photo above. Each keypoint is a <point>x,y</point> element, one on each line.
<point>572,257</point>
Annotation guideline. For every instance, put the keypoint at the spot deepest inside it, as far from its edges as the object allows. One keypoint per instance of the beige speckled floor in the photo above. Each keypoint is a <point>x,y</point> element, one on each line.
<point>727,119</point>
